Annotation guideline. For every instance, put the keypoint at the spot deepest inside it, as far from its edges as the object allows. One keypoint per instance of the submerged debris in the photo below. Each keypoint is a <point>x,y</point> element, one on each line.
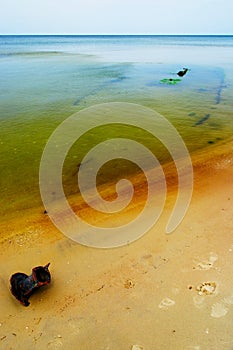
<point>191,114</point>
<point>202,120</point>
<point>23,286</point>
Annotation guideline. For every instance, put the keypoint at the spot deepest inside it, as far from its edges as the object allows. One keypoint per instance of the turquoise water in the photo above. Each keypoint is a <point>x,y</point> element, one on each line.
<point>45,79</point>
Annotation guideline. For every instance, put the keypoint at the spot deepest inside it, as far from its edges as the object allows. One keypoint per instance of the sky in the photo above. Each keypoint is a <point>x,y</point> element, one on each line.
<point>116,17</point>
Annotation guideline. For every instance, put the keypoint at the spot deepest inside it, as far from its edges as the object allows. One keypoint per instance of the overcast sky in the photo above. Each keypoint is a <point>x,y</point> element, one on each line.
<point>116,17</point>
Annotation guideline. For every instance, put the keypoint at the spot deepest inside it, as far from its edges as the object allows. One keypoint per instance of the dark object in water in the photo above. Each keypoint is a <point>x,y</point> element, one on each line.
<point>181,73</point>
<point>202,120</point>
<point>23,286</point>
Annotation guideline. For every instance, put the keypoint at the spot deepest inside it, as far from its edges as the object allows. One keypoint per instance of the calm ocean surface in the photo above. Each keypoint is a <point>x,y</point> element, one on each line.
<point>45,79</point>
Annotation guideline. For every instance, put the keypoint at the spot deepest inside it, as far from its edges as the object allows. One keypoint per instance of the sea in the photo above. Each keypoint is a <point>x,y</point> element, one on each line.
<point>45,79</point>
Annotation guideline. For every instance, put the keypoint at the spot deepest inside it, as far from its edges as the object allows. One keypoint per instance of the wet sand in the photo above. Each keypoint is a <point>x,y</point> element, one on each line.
<point>162,291</point>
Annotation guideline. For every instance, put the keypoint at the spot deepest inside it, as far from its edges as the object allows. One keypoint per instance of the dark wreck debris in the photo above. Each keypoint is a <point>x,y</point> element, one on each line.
<point>23,286</point>
<point>202,120</point>
<point>181,73</point>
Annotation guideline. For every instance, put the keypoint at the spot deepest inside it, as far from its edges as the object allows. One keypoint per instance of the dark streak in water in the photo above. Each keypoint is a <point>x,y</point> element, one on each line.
<point>202,90</point>
<point>101,87</point>
<point>202,120</point>
<point>80,99</point>
<point>219,89</point>
<point>79,165</point>
<point>118,80</point>
<point>32,53</point>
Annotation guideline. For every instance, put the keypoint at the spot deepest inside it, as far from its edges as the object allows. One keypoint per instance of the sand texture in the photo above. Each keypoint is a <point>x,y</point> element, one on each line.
<point>172,292</point>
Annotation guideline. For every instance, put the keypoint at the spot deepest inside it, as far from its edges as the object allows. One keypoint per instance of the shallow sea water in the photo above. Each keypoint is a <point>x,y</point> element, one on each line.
<point>45,79</point>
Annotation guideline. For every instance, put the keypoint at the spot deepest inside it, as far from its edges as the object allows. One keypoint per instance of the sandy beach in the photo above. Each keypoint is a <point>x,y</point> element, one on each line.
<point>161,292</point>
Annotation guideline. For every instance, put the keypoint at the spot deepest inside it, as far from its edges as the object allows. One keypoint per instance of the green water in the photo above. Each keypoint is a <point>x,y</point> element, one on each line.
<point>40,89</point>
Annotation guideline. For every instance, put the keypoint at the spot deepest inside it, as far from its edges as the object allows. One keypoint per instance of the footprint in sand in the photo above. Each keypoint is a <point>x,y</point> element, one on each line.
<point>55,344</point>
<point>166,303</point>
<point>206,264</point>
<point>221,308</point>
<point>137,347</point>
<point>199,301</point>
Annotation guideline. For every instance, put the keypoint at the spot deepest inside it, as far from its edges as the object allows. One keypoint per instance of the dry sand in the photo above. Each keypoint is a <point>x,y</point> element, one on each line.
<point>172,292</point>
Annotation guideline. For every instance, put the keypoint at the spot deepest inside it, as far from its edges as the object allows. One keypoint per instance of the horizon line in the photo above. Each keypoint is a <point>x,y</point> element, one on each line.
<point>113,34</point>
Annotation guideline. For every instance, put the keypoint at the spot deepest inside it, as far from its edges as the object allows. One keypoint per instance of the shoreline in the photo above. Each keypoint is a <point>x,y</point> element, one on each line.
<point>144,293</point>
<point>203,160</point>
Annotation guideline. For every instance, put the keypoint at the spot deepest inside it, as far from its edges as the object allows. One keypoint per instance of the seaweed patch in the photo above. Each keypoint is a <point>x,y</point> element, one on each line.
<point>170,81</point>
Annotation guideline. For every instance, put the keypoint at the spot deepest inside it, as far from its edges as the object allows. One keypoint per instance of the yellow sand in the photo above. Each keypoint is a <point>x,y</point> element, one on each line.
<point>172,292</point>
